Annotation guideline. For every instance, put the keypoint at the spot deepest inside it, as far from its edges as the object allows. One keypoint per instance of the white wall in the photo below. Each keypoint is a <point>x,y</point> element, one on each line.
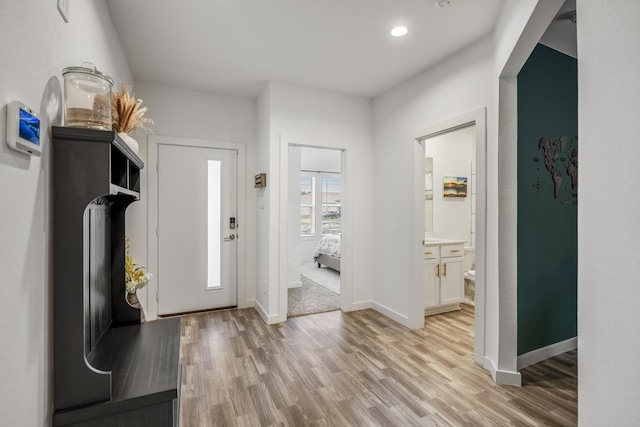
<point>36,45</point>
<point>608,291</point>
<point>304,116</point>
<point>200,115</point>
<point>452,154</point>
<point>267,215</point>
<point>456,85</point>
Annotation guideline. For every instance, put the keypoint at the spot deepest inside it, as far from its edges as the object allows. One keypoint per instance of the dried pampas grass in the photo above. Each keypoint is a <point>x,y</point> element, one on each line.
<point>127,113</point>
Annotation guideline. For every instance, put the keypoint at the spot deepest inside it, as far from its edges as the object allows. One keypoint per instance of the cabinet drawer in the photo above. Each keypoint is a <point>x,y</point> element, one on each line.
<point>451,250</point>
<point>431,252</point>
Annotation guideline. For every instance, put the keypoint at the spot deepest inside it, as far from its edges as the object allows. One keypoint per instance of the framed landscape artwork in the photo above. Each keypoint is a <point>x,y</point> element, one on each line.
<point>455,186</point>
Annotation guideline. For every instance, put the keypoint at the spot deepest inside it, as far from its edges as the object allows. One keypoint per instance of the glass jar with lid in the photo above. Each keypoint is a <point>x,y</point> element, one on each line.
<point>87,97</point>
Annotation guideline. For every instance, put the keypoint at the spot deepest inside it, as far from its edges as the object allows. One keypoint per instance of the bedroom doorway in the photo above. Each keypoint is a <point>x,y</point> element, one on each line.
<point>314,229</point>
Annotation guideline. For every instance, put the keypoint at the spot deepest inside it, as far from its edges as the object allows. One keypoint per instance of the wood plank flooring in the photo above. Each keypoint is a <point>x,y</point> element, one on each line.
<point>357,369</point>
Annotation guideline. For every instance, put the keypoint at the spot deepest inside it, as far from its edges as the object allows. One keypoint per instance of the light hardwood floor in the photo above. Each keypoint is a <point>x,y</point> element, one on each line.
<point>360,369</point>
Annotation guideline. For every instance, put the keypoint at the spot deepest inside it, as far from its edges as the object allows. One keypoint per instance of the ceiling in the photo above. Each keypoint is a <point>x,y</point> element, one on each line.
<point>235,47</point>
<point>561,34</point>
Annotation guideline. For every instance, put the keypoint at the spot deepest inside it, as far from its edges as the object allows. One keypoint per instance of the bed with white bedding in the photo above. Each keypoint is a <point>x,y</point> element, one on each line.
<point>328,251</point>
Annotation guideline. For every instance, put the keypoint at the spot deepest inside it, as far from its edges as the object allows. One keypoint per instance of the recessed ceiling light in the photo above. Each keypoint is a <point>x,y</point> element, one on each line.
<point>398,31</point>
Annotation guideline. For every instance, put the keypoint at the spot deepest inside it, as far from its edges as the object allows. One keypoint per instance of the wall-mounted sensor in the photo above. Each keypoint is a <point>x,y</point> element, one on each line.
<point>23,129</point>
<point>260,180</point>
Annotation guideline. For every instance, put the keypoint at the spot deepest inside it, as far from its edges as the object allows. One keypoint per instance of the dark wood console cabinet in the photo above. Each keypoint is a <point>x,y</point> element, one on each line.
<point>109,368</point>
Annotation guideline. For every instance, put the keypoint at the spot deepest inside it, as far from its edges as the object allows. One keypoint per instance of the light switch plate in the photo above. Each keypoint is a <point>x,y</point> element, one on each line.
<point>63,9</point>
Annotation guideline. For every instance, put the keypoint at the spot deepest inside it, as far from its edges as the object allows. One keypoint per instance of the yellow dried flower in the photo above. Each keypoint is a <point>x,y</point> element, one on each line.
<point>135,276</point>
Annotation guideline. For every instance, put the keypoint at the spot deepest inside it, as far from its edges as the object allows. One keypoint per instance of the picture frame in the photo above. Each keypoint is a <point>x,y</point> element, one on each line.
<point>454,186</point>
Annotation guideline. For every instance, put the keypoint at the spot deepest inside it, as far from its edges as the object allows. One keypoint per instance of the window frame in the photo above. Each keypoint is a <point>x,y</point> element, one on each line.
<point>312,205</point>
<point>317,202</point>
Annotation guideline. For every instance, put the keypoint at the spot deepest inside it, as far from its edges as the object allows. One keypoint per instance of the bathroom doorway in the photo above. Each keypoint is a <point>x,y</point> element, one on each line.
<point>450,201</point>
<point>473,206</point>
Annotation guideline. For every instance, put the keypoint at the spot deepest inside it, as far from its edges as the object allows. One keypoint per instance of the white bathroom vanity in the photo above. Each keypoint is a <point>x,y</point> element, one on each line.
<point>443,275</point>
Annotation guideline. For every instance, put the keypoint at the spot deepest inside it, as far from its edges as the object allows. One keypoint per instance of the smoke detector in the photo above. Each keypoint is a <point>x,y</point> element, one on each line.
<point>442,3</point>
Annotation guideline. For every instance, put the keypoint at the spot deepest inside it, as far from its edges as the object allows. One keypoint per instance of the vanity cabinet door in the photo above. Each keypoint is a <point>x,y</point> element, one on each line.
<point>451,281</point>
<point>431,283</point>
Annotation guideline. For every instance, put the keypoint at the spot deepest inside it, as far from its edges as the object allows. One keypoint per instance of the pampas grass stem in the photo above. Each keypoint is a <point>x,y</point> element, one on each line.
<point>126,111</point>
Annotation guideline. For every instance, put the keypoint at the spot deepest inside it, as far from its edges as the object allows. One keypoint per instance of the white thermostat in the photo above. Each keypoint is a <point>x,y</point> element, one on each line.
<point>23,129</point>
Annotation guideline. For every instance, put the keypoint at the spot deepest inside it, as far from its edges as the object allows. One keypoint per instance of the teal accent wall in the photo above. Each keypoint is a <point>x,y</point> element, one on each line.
<point>547,201</point>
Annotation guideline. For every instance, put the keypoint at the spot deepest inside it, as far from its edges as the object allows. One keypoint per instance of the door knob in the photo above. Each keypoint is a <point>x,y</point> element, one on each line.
<point>231,237</point>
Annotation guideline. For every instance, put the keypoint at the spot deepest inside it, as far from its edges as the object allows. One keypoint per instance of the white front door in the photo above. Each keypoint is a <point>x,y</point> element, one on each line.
<point>197,243</point>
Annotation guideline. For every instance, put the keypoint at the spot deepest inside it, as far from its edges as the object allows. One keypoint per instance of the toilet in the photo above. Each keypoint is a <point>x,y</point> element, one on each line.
<point>469,268</point>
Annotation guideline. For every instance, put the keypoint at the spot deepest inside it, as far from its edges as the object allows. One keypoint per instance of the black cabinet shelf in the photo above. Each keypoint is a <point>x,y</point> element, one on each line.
<point>124,165</point>
<point>136,356</point>
<point>109,368</point>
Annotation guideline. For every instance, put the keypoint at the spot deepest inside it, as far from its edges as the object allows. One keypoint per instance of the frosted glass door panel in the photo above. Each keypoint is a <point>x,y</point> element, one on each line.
<point>213,223</point>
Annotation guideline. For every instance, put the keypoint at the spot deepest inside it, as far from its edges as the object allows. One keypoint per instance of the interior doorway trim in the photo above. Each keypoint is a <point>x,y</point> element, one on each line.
<point>478,118</point>
<point>505,368</point>
<point>346,288</point>
<point>152,213</point>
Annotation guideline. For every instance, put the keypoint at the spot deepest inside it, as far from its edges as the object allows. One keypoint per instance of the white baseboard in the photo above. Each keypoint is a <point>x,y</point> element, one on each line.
<point>403,320</point>
<point>261,312</point>
<point>441,309</point>
<point>509,378</point>
<point>501,376</point>
<point>547,352</point>
<point>297,284</point>
<point>490,366</point>
<point>363,305</point>
<point>269,320</point>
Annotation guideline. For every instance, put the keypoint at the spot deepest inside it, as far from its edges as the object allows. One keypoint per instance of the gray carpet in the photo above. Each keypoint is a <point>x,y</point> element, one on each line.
<point>311,298</point>
<point>325,276</point>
